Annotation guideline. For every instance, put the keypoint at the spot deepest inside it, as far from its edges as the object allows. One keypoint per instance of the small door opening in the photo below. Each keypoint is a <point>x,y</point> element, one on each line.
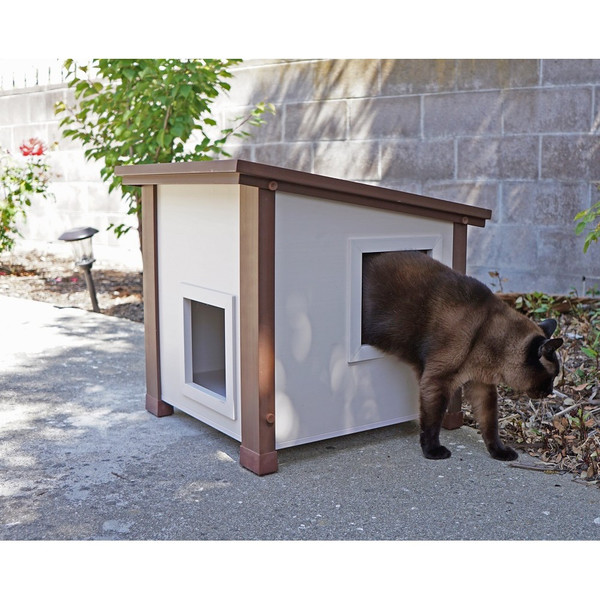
<point>366,258</point>
<point>360,252</point>
<point>208,347</point>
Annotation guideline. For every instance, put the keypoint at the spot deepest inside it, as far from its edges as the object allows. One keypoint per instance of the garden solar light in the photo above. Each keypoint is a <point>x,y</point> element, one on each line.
<point>81,244</point>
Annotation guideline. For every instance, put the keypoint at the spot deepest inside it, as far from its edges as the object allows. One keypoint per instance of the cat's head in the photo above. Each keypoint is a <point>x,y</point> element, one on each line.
<point>539,362</point>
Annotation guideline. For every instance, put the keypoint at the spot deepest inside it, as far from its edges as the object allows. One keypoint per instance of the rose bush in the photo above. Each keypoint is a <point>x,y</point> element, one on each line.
<point>21,178</point>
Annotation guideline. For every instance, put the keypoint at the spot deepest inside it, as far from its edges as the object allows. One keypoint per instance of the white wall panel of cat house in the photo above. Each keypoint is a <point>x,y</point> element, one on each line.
<point>252,295</point>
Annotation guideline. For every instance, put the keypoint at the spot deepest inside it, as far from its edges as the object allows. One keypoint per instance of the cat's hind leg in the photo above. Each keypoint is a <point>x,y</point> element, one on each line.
<point>433,403</point>
<point>484,400</point>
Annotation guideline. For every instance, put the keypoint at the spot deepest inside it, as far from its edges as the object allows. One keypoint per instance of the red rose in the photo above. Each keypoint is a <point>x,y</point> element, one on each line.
<point>33,147</point>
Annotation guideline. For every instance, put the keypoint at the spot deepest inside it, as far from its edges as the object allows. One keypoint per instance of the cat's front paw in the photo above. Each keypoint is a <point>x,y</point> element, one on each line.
<point>503,453</point>
<point>437,453</point>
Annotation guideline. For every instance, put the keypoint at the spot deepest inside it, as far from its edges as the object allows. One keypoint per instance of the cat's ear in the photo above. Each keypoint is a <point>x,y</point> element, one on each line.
<point>550,346</point>
<point>548,327</point>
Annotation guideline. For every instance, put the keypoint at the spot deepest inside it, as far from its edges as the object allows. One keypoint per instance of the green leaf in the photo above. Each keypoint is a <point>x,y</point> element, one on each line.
<point>589,352</point>
<point>580,228</point>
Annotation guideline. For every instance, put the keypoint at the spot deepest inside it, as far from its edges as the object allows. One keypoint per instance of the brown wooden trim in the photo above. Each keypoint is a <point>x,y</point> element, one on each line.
<point>459,248</point>
<point>260,175</point>
<point>154,403</point>
<point>431,208</point>
<point>453,419</point>
<point>257,329</point>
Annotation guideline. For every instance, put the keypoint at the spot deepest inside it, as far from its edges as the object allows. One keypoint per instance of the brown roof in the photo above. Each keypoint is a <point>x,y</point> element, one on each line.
<point>299,182</point>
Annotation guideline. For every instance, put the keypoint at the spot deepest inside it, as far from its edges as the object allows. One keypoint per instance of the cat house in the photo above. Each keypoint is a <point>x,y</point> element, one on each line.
<point>252,299</point>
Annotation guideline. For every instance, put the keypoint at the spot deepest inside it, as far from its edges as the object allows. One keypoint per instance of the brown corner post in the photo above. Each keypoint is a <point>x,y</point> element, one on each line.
<point>453,419</point>
<point>257,328</point>
<point>154,404</point>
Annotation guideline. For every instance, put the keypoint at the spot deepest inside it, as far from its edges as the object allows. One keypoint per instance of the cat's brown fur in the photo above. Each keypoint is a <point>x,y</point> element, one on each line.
<point>456,334</point>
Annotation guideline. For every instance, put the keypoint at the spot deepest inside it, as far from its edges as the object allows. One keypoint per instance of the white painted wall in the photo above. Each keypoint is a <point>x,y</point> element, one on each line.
<point>319,394</point>
<point>198,241</point>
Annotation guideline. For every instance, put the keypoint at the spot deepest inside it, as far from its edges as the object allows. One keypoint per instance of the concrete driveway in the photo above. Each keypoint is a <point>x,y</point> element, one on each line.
<point>81,459</point>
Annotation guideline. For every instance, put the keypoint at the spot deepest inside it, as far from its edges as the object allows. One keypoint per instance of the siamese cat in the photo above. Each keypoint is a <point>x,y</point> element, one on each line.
<point>456,334</point>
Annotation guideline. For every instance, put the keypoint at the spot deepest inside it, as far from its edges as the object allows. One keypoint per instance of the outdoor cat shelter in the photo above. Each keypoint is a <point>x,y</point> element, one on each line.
<point>252,299</point>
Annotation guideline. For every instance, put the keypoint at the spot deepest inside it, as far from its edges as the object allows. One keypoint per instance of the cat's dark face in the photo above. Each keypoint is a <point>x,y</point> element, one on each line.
<point>540,366</point>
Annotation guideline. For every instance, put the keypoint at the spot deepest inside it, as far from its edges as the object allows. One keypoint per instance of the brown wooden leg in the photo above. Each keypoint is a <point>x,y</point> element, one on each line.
<point>257,329</point>
<point>157,407</point>
<point>453,419</point>
<point>154,404</point>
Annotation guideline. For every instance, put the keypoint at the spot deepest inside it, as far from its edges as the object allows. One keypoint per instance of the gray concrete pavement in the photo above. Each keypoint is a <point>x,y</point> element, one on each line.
<point>81,459</point>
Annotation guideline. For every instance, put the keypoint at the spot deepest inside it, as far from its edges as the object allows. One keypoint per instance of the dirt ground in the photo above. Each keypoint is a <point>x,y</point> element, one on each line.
<point>563,430</point>
<point>56,280</point>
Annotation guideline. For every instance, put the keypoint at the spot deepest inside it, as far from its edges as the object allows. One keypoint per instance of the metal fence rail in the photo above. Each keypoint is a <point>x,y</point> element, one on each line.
<point>22,73</point>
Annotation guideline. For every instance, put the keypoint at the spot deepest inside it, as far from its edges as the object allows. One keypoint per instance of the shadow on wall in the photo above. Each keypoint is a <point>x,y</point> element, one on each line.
<point>488,133</point>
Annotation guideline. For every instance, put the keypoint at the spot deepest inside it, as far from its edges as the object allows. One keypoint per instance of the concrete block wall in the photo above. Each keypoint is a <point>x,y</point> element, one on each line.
<point>520,137</point>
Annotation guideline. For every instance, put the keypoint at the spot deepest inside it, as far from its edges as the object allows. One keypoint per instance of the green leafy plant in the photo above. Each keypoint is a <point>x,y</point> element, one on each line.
<point>134,111</point>
<point>21,179</point>
<point>585,219</point>
<point>591,347</point>
<point>536,304</point>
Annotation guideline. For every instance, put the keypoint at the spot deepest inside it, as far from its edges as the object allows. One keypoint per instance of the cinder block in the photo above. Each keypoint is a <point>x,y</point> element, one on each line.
<point>478,193</point>
<point>527,281</point>
<point>400,77</point>
<point>513,157</point>
<point>306,80</point>
<point>291,156</point>
<point>72,166</point>
<point>472,113</point>
<point>405,185</point>
<point>548,110</point>
<point>569,72</point>
<point>571,157</point>
<point>288,81</point>
<point>67,197</point>
<point>357,161</point>
<point>542,203</point>
<point>483,248</point>
<point>379,118</point>
<point>6,138</point>
<point>560,251</point>
<point>14,109</point>
<point>101,201</point>
<point>595,129</point>
<point>316,121</point>
<point>418,160</point>
<point>42,105</point>
<point>342,78</point>
<point>496,74</point>
<point>504,249</point>
<point>517,247</point>
<point>564,282</point>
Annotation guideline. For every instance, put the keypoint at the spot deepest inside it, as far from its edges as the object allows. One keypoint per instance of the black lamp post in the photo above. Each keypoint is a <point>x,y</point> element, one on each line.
<point>81,238</point>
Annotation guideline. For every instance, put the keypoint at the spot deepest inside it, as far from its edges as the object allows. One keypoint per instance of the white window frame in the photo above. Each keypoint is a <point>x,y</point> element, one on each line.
<point>225,405</point>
